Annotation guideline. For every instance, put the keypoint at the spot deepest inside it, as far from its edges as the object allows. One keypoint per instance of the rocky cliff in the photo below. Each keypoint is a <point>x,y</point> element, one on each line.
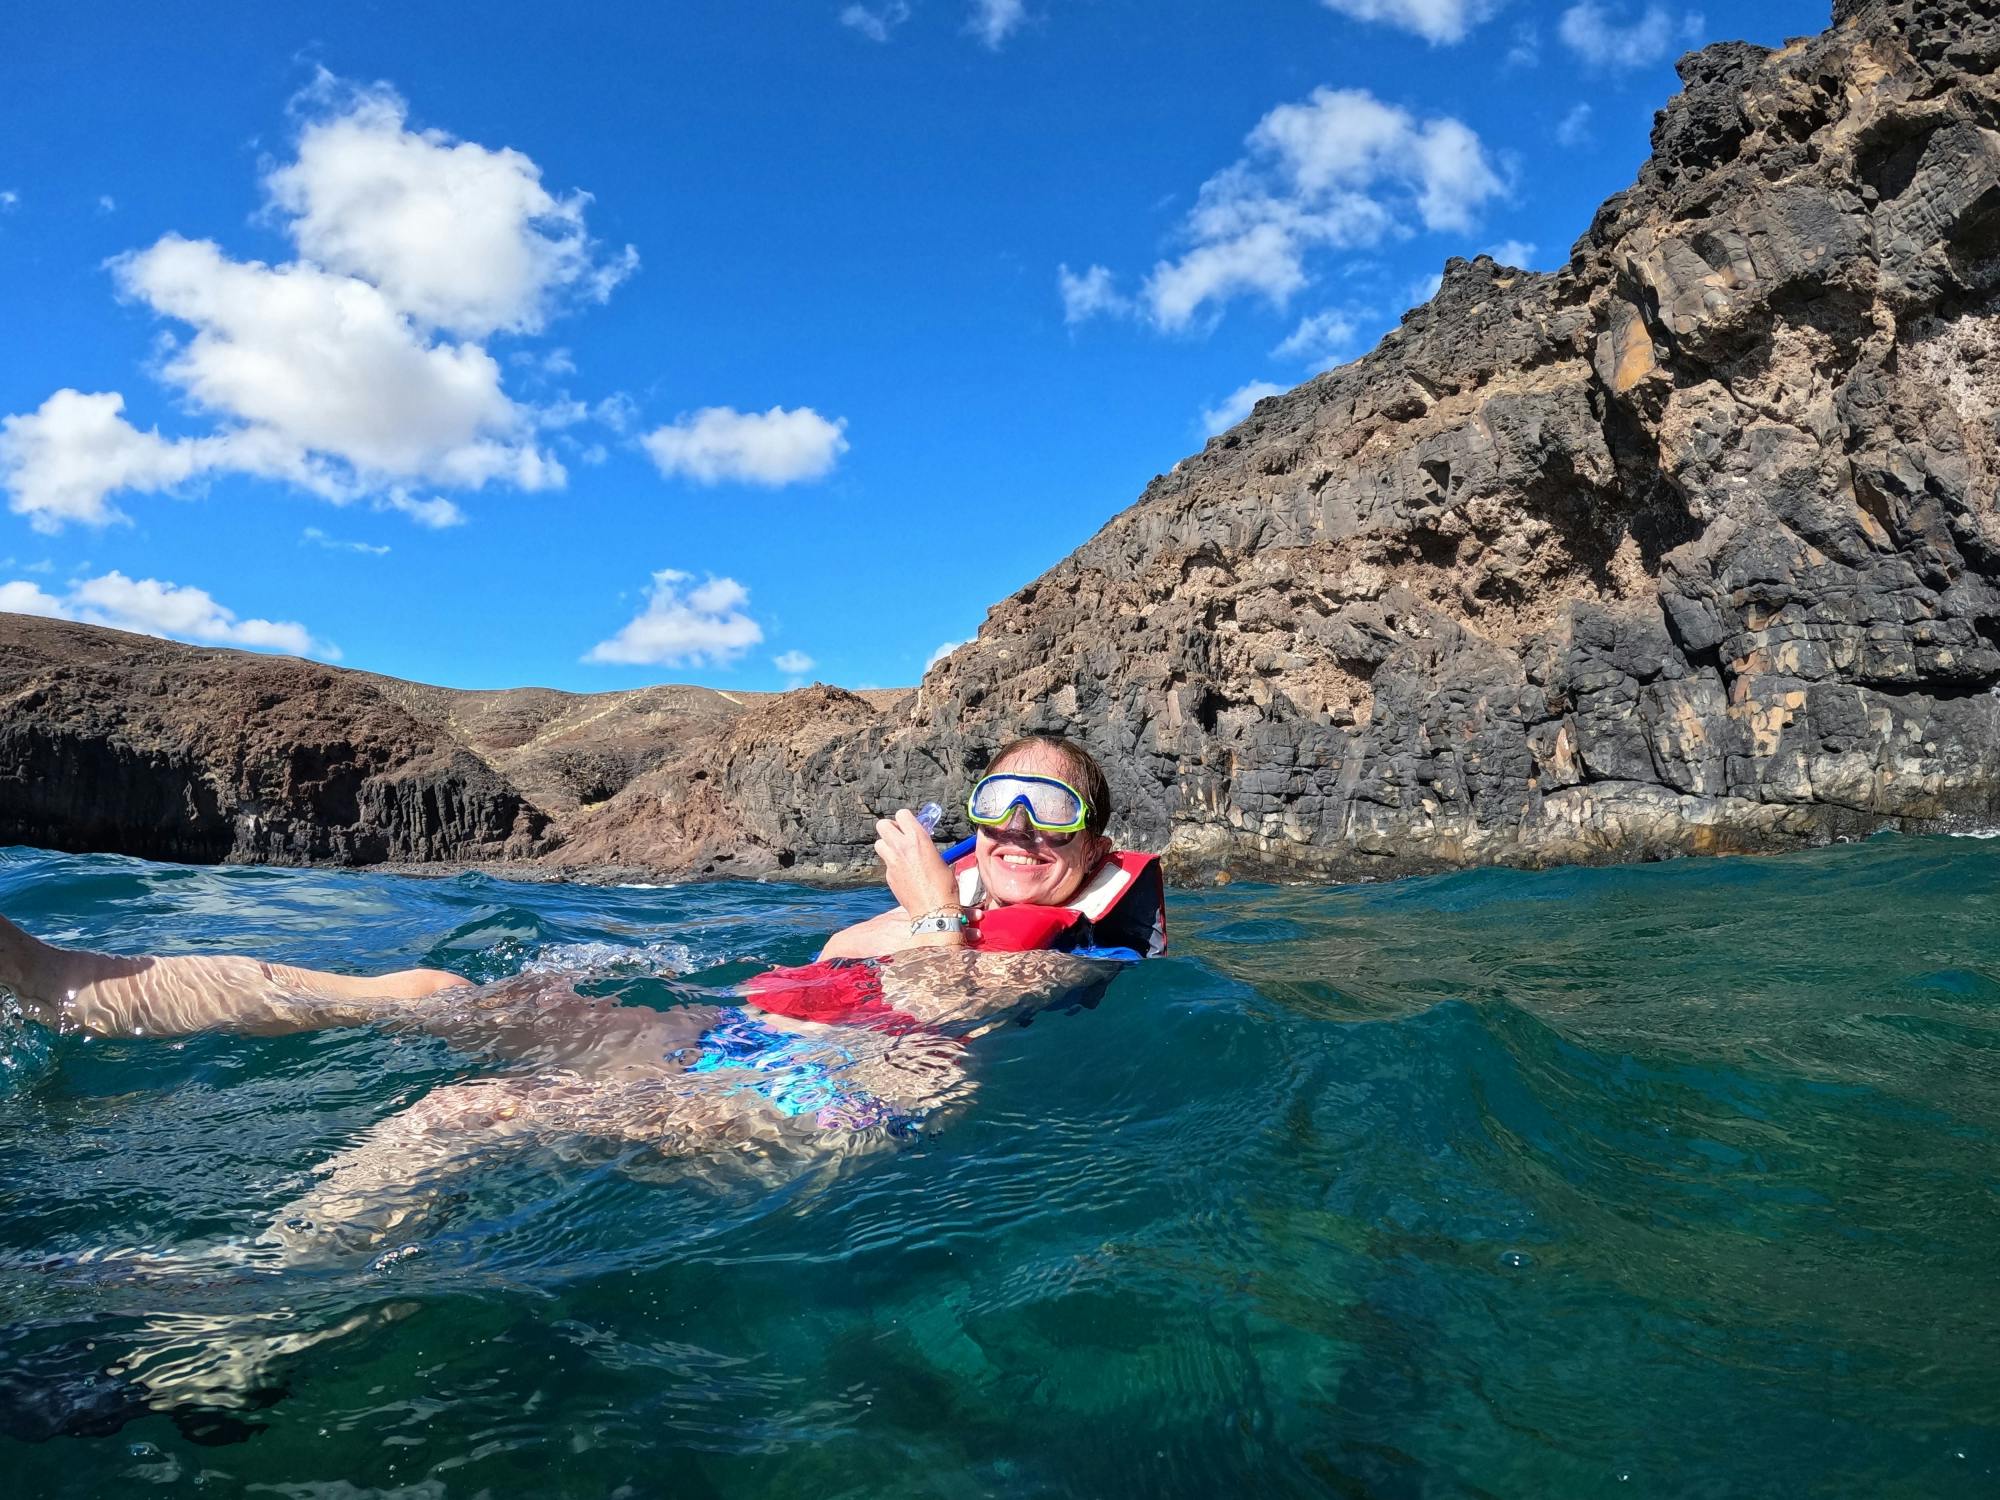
<point>122,743</point>
<point>1691,545</point>
<point>126,744</point>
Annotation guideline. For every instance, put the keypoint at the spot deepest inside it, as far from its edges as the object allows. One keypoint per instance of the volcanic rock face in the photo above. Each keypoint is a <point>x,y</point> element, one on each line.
<point>119,743</point>
<point>1691,545</point>
<point>125,744</point>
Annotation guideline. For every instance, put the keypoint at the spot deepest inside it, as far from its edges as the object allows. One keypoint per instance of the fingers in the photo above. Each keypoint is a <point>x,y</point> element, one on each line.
<point>916,875</point>
<point>888,839</point>
<point>902,833</point>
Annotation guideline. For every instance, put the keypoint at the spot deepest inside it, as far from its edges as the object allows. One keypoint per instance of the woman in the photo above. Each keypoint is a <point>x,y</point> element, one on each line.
<point>836,1058</point>
<point>816,1066</point>
<point>1036,847</point>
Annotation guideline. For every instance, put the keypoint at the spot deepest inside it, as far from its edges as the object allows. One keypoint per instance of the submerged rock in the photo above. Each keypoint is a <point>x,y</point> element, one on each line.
<point>1692,545</point>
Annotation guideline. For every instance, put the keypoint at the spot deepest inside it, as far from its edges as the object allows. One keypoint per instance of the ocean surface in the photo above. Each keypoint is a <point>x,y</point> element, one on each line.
<point>1673,1179</point>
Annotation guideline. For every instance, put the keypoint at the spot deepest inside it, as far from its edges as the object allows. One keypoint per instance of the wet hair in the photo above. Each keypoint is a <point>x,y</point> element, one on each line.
<point>1085,774</point>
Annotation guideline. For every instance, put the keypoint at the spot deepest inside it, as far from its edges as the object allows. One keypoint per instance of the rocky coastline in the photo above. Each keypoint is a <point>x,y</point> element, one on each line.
<point>1690,546</point>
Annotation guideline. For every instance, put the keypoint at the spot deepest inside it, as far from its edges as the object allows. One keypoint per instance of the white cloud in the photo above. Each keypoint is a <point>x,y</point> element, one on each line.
<point>1339,169</point>
<point>106,204</point>
<point>454,234</point>
<point>679,626</point>
<point>1573,130</point>
<point>878,23</point>
<point>777,447</point>
<point>1266,259</point>
<point>1338,138</point>
<point>942,652</point>
<point>59,462</point>
<point>1092,294</point>
<point>993,21</point>
<point>1425,287</point>
<point>564,411</point>
<point>436,513</point>
<point>1588,30</point>
<point>1236,406</point>
<point>149,606</point>
<point>1519,253</point>
<point>553,362</point>
<point>1455,177</point>
<point>1526,52</point>
<point>334,544</point>
<point>23,598</point>
<point>9,199</point>
<point>793,663</point>
<point>617,411</point>
<point>1433,20</point>
<point>318,367</point>
<point>351,372</point>
<point>1321,339</point>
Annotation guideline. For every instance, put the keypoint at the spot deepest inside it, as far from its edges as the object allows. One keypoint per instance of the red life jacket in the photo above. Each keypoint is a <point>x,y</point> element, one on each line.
<point>1122,905</point>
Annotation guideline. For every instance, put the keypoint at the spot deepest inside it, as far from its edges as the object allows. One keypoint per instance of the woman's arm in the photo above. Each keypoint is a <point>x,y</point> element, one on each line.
<point>952,989</point>
<point>870,939</point>
<point>920,882</point>
<point>885,934</point>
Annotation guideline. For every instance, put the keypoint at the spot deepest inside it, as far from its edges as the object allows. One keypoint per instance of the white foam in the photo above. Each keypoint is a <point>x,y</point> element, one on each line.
<point>604,960</point>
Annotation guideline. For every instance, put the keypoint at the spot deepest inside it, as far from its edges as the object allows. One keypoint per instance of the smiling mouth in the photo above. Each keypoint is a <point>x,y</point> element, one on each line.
<point>1020,861</point>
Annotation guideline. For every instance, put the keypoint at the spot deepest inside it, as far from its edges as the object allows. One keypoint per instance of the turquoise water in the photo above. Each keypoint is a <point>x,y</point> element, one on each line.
<point>1666,1180</point>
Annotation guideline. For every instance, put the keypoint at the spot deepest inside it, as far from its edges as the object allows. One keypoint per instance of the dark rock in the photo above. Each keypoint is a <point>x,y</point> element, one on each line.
<point>1692,545</point>
<point>120,743</point>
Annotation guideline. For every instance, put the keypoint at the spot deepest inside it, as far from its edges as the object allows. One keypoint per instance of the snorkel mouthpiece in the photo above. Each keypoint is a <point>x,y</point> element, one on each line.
<point>930,815</point>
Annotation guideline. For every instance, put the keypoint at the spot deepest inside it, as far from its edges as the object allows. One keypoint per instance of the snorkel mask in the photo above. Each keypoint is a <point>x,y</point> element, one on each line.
<point>1052,806</point>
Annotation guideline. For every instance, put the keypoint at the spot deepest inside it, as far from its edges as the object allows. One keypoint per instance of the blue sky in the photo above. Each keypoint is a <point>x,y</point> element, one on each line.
<point>735,342</point>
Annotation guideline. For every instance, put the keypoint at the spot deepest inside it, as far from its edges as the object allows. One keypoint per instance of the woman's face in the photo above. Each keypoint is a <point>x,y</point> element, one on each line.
<point>1018,866</point>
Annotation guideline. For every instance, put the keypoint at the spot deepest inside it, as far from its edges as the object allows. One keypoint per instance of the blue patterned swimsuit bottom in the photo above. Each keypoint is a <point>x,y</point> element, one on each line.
<point>795,1074</point>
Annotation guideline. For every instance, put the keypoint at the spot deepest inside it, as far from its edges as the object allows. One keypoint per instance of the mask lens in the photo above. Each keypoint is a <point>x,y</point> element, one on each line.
<point>1052,806</point>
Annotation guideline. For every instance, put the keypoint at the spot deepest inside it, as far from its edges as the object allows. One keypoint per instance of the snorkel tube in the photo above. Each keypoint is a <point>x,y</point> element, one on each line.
<point>930,815</point>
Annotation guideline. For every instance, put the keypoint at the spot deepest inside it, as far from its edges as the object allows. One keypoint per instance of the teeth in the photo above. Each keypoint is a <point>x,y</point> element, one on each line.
<point>1015,859</point>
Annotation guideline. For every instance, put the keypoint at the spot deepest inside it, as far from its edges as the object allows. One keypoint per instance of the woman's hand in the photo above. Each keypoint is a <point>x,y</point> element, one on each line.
<point>920,883</point>
<point>911,864</point>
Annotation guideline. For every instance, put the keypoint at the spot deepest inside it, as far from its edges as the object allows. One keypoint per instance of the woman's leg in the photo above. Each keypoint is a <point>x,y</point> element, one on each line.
<point>391,1179</point>
<point>111,995</point>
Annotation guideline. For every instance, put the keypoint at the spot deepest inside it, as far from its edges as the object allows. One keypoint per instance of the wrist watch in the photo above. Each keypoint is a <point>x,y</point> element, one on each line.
<point>944,919</point>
